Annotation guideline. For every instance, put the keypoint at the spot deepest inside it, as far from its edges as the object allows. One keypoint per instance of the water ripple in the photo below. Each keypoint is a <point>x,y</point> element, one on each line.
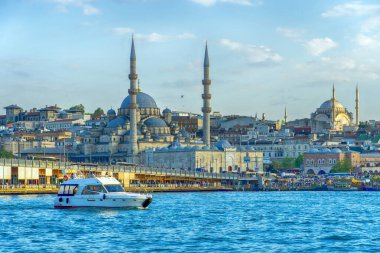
<point>197,222</point>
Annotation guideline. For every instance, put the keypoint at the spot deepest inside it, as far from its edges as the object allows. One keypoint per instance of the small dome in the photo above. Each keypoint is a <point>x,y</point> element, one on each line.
<point>111,112</point>
<point>166,110</point>
<point>119,121</point>
<point>195,148</point>
<point>325,150</point>
<point>313,150</point>
<point>155,122</point>
<point>222,144</point>
<point>205,148</point>
<point>336,150</point>
<point>143,101</point>
<point>329,104</point>
<point>187,148</point>
<point>62,112</point>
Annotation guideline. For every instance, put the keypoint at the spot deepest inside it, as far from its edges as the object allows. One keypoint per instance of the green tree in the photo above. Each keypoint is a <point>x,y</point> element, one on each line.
<point>79,107</point>
<point>343,166</point>
<point>299,161</point>
<point>98,112</point>
<point>5,154</point>
<point>287,163</point>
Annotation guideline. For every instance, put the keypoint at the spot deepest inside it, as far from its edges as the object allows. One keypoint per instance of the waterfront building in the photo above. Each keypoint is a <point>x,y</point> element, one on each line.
<point>222,157</point>
<point>289,148</point>
<point>370,162</point>
<point>321,161</point>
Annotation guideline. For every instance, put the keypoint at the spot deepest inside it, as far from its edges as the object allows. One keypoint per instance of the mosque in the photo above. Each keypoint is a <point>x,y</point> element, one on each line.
<point>138,124</point>
<point>333,116</point>
<point>140,134</point>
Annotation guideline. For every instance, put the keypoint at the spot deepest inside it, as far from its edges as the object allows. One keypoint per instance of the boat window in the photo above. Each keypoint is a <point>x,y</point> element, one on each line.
<point>93,190</point>
<point>68,190</point>
<point>114,188</point>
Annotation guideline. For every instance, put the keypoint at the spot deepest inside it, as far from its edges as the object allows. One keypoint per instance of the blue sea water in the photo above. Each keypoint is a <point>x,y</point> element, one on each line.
<point>198,222</point>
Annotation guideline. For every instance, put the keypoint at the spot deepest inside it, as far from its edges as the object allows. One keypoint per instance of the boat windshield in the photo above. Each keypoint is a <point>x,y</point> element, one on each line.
<point>68,190</point>
<point>114,188</point>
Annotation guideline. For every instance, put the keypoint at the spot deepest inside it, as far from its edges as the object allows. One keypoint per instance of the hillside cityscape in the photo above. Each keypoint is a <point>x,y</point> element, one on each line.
<point>331,139</point>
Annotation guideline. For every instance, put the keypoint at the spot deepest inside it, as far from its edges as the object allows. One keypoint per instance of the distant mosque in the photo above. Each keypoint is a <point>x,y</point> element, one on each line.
<point>333,116</point>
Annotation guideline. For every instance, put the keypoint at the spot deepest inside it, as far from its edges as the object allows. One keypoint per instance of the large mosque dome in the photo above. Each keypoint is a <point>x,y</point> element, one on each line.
<point>143,101</point>
<point>329,104</point>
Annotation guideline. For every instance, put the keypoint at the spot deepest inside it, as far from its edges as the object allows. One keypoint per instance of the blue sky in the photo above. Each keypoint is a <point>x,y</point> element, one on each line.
<point>264,54</point>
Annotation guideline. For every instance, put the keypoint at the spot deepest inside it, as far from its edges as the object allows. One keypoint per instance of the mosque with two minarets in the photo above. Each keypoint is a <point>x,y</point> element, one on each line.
<point>139,133</point>
<point>334,116</point>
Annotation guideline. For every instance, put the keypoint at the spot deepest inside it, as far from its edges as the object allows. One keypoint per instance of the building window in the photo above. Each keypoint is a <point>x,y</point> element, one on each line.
<point>334,161</point>
<point>330,161</point>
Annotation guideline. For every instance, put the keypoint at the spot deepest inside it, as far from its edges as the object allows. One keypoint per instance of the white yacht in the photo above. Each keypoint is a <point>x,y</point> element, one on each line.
<point>98,192</point>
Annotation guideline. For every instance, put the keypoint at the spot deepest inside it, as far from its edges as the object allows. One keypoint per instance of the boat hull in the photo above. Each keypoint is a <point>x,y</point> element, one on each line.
<point>108,202</point>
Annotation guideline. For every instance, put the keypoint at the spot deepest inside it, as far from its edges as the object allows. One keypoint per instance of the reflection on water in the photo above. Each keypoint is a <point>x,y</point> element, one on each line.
<point>193,222</point>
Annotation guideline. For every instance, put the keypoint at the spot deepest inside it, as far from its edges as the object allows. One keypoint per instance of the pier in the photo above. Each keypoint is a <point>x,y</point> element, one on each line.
<point>37,176</point>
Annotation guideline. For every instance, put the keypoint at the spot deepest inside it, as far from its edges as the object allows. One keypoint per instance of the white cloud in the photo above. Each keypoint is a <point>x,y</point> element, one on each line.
<point>341,69</point>
<point>85,5</point>
<point>289,33</point>
<point>238,2</point>
<point>369,42</point>
<point>255,54</point>
<point>152,37</point>
<point>318,46</point>
<point>205,2</point>
<point>354,8</point>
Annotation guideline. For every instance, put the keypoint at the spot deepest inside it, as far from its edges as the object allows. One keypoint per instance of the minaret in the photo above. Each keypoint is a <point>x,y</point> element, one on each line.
<point>206,96</point>
<point>333,109</point>
<point>286,116</point>
<point>133,104</point>
<point>357,105</point>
